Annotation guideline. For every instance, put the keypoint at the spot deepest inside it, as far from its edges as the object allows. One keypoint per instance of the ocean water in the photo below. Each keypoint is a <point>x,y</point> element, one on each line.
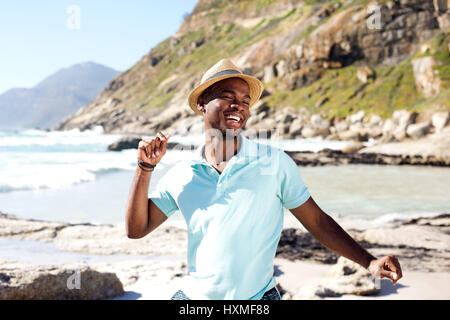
<point>70,176</point>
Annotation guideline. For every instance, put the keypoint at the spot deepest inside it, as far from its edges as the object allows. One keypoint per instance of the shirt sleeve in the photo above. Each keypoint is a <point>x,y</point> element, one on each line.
<point>162,197</point>
<point>293,192</point>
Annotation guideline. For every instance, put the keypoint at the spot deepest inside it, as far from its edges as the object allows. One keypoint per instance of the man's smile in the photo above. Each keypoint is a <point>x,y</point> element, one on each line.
<point>233,118</point>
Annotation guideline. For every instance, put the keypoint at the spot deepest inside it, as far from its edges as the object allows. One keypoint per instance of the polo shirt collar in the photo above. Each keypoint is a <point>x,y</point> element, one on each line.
<point>247,150</point>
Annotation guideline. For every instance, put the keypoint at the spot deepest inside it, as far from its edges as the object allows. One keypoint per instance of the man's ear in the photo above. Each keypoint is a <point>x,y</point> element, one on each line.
<point>201,104</point>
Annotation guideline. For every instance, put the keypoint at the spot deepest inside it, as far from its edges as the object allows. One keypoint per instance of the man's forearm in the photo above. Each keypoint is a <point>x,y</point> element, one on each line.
<point>331,235</point>
<point>137,206</point>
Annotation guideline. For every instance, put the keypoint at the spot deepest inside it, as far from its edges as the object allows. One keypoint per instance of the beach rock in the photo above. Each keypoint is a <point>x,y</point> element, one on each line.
<point>269,73</point>
<point>374,132</point>
<point>418,130</point>
<point>388,128</point>
<point>282,130</point>
<point>128,142</point>
<point>375,121</point>
<point>299,51</point>
<point>403,118</point>
<point>364,74</point>
<point>410,235</point>
<point>345,277</point>
<point>353,146</point>
<point>357,117</point>
<point>341,126</point>
<point>284,118</point>
<point>426,79</point>
<point>348,277</point>
<point>308,131</point>
<point>399,133</point>
<point>281,68</point>
<point>16,228</point>
<point>433,149</point>
<point>165,240</point>
<point>349,135</point>
<point>311,292</point>
<point>296,127</point>
<point>442,220</point>
<point>320,125</point>
<point>70,282</point>
<point>441,9</point>
<point>295,244</point>
<point>440,119</point>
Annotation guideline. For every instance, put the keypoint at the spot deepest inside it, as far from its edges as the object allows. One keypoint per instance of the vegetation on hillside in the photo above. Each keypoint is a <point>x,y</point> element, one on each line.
<point>339,90</point>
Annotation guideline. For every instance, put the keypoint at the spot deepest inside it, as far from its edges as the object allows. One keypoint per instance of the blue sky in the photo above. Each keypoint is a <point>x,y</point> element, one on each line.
<point>41,37</point>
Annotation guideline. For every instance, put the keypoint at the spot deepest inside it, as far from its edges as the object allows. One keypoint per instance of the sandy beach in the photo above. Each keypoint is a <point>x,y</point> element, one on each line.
<point>154,267</point>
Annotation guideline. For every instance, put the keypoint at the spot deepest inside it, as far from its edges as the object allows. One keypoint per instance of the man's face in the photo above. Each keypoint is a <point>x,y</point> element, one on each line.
<point>225,105</point>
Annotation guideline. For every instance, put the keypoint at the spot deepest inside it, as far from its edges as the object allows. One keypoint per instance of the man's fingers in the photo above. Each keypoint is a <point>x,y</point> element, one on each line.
<point>151,149</point>
<point>157,146</point>
<point>399,268</point>
<point>390,275</point>
<point>164,144</point>
<point>392,264</point>
<point>161,135</point>
<point>154,147</point>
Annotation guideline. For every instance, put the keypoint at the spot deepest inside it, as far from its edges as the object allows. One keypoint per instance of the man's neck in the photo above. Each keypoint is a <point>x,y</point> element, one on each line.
<point>220,148</point>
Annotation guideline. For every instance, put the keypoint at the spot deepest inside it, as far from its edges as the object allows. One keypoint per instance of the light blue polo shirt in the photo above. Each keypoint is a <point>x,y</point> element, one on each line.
<point>234,219</point>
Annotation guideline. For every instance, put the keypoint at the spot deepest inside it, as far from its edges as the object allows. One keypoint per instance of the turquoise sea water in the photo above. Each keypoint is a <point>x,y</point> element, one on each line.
<point>70,176</point>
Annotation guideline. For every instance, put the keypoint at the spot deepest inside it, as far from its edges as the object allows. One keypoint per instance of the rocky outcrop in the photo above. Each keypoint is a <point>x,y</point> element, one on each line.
<point>93,239</point>
<point>440,119</point>
<point>435,148</point>
<point>323,36</point>
<point>128,142</point>
<point>296,244</point>
<point>132,142</point>
<point>426,251</point>
<point>19,281</point>
<point>345,277</point>
<point>420,245</point>
<point>426,79</point>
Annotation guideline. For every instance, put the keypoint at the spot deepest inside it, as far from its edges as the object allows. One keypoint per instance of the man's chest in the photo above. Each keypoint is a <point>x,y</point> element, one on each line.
<point>242,186</point>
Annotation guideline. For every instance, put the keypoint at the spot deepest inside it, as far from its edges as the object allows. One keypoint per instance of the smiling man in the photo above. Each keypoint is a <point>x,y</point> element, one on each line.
<point>232,196</point>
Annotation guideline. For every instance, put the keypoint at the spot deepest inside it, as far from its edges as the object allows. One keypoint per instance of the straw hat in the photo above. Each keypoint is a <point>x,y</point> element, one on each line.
<point>224,69</point>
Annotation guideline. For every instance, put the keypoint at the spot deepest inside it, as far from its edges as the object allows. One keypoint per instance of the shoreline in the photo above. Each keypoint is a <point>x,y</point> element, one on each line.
<point>159,259</point>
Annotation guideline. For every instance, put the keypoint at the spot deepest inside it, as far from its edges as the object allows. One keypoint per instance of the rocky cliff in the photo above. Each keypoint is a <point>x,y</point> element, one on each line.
<point>331,59</point>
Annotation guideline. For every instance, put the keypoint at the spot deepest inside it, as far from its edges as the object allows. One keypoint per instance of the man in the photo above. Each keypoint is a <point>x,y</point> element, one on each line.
<point>232,197</point>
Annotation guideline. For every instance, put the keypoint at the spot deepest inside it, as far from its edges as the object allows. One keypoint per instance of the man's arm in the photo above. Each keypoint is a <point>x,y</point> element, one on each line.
<point>331,235</point>
<point>142,215</point>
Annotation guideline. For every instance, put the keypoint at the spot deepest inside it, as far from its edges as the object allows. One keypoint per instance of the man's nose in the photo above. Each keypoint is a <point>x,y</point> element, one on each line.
<point>238,104</point>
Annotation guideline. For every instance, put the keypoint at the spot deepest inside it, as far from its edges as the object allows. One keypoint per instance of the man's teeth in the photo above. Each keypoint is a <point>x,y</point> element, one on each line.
<point>233,118</point>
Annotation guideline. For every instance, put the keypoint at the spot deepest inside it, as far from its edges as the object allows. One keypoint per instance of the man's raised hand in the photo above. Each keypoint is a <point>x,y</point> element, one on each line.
<point>386,267</point>
<point>152,150</point>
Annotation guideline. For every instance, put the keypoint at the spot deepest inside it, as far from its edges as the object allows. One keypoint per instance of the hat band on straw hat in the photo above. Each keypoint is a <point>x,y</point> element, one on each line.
<point>222,73</point>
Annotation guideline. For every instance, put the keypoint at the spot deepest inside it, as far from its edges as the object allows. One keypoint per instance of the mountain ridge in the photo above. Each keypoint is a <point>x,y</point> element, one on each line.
<point>297,48</point>
<point>53,98</point>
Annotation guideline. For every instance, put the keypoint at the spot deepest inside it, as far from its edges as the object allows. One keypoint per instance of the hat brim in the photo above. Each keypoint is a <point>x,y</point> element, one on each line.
<point>255,89</point>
